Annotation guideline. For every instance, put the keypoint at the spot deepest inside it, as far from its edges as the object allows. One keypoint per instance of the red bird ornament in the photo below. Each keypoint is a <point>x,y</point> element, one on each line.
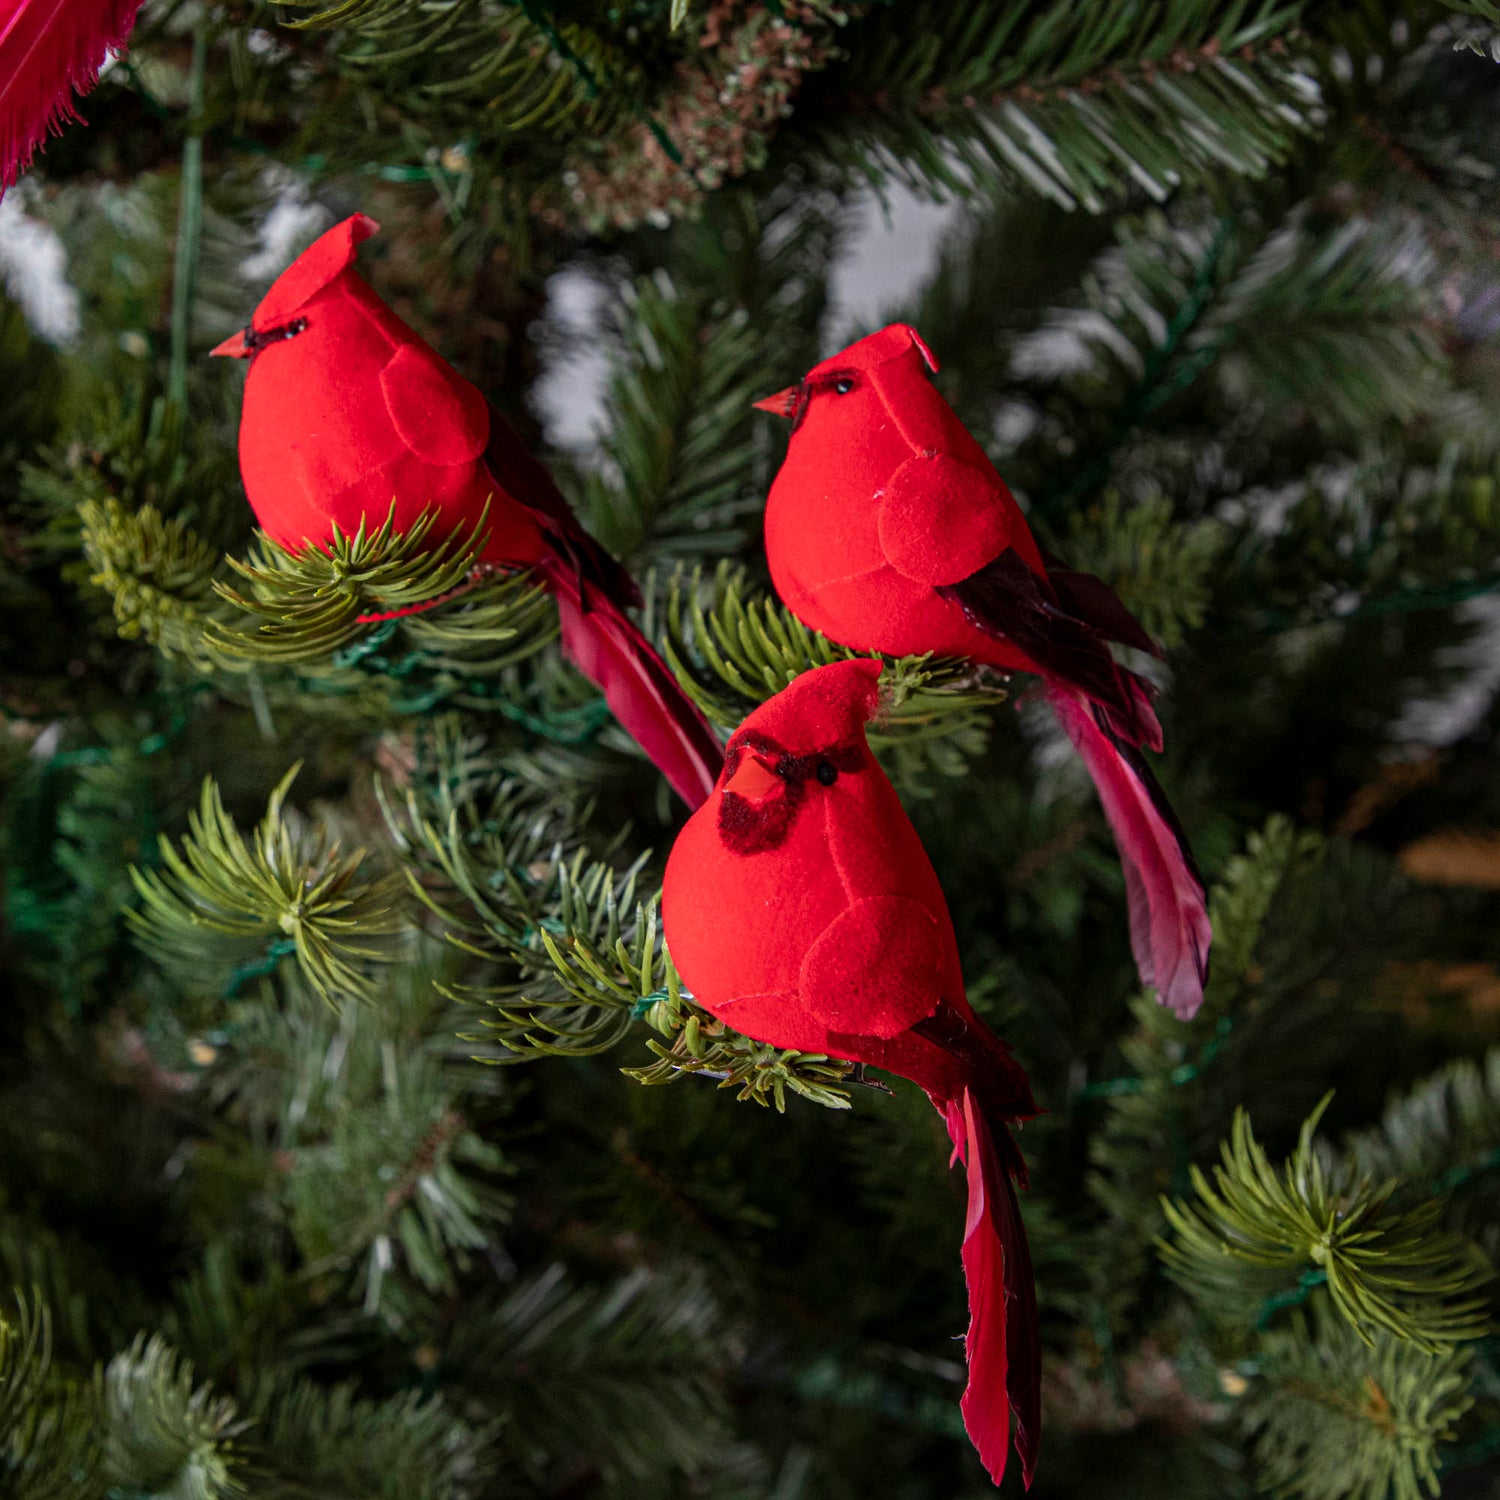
<point>49,51</point>
<point>888,529</point>
<point>346,410</point>
<point>801,909</point>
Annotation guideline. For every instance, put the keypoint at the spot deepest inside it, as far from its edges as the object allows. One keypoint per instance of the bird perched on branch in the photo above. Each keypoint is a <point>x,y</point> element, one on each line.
<point>347,411</point>
<point>888,529</point>
<point>801,909</point>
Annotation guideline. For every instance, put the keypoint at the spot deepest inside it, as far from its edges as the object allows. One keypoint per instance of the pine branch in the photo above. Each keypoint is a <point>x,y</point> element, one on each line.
<point>135,459</point>
<point>400,1170</point>
<point>1375,536</point>
<point>1277,315</point>
<point>514,63</point>
<point>163,1434</point>
<point>289,888</point>
<point>1340,1418</point>
<point>1384,1269</point>
<point>681,468</point>
<point>1443,1136</point>
<point>585,953</point>
<point>702,1045</point>
<point>1164,569</point>
<point>158,573</point>
<point>48,1435</point>
<point>310,603</point>
<point>230,1315</point>
<point>1076,104</point>
<point>681,435</point>
<point>73,821</point>
<point>733,648</point>
<point>381,1170</point>
<point>329,1440</point>
<point>1262,1000</point>
<point>331,622</point>
<point>622,1375</point>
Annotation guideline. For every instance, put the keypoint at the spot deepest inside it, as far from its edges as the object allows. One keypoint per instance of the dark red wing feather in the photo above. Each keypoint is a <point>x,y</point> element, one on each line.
<point>1006,599</point>
<point>1092,600</point>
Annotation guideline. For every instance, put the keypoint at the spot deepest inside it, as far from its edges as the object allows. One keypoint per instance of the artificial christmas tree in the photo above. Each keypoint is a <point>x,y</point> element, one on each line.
<point>333,1156</point>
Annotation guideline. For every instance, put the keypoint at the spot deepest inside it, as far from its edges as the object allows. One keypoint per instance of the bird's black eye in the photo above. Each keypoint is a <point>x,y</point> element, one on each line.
<point>827,773</point>
<point>843,386</point>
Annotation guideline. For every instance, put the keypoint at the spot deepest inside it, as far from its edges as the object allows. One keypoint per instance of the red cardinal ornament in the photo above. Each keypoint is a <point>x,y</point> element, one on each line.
<point>889,530</point>
<point>801,909</point>
<point>346,409</point>
<point>50,50</point>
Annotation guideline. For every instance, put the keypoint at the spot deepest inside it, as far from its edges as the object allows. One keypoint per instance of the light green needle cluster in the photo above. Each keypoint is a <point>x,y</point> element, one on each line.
<point>158,573</point>
<point>309,603</point>
<point>293,891</point>
<point>1339,1416</point>
<point>1386,1269</point>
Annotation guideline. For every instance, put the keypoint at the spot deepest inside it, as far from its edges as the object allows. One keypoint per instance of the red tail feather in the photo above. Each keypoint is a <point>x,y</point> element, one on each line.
<point>50,50</point>
<point>1003,1344</point>
<point>609,650</point>
<point>1169,928</point>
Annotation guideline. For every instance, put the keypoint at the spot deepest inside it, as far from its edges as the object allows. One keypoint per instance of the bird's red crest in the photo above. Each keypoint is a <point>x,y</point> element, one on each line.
<point>877,348</point>
<point>827,706</point>
<point>330,254</point>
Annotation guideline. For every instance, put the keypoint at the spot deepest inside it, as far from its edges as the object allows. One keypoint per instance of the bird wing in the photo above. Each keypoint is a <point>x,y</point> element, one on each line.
<point>942,518</point>
<point>1006,599</point>
<point>440,417</point>
<point>876,969</point>
<point>1092,600</point>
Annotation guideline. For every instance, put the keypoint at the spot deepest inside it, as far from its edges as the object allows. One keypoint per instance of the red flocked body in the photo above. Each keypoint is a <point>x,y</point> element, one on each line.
<point>49,51</point>
<point>845,472</point>
<point>801,909</point>
<point>348,413</point>
<point>355,411</point>
<point>888,529</point>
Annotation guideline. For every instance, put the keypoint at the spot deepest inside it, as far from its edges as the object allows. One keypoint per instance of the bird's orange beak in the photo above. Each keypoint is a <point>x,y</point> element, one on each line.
<point>234,347</point>
<point>782,404</point>
<point>753,778</point>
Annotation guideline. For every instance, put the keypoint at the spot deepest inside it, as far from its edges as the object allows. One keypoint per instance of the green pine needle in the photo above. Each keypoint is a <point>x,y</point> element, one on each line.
<point>49,1439</point>
<point>733,647</point>
<point>309,602</point>
<point>164,1435</point>
<point>332,1440</point>
<point>1339,1418</point>
<point>401,1187</point>
<point>1386,1269</point>
<point>279,886</point>
<point>1078,104</point>
<point>581,955</point>
<point>158,573</point>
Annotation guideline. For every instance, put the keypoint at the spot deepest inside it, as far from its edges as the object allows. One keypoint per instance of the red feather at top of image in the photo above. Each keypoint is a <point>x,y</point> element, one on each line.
<point>50,50</point>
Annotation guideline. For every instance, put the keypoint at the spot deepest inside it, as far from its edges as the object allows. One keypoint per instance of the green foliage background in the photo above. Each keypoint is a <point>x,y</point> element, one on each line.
<point>335,1156</point>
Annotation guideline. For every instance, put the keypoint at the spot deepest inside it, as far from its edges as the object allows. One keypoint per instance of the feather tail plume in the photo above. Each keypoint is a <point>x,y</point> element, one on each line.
<point>1003,1343</point>
<point>605,645</point>
<point>1169,927</point>
<point>50,50</point>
